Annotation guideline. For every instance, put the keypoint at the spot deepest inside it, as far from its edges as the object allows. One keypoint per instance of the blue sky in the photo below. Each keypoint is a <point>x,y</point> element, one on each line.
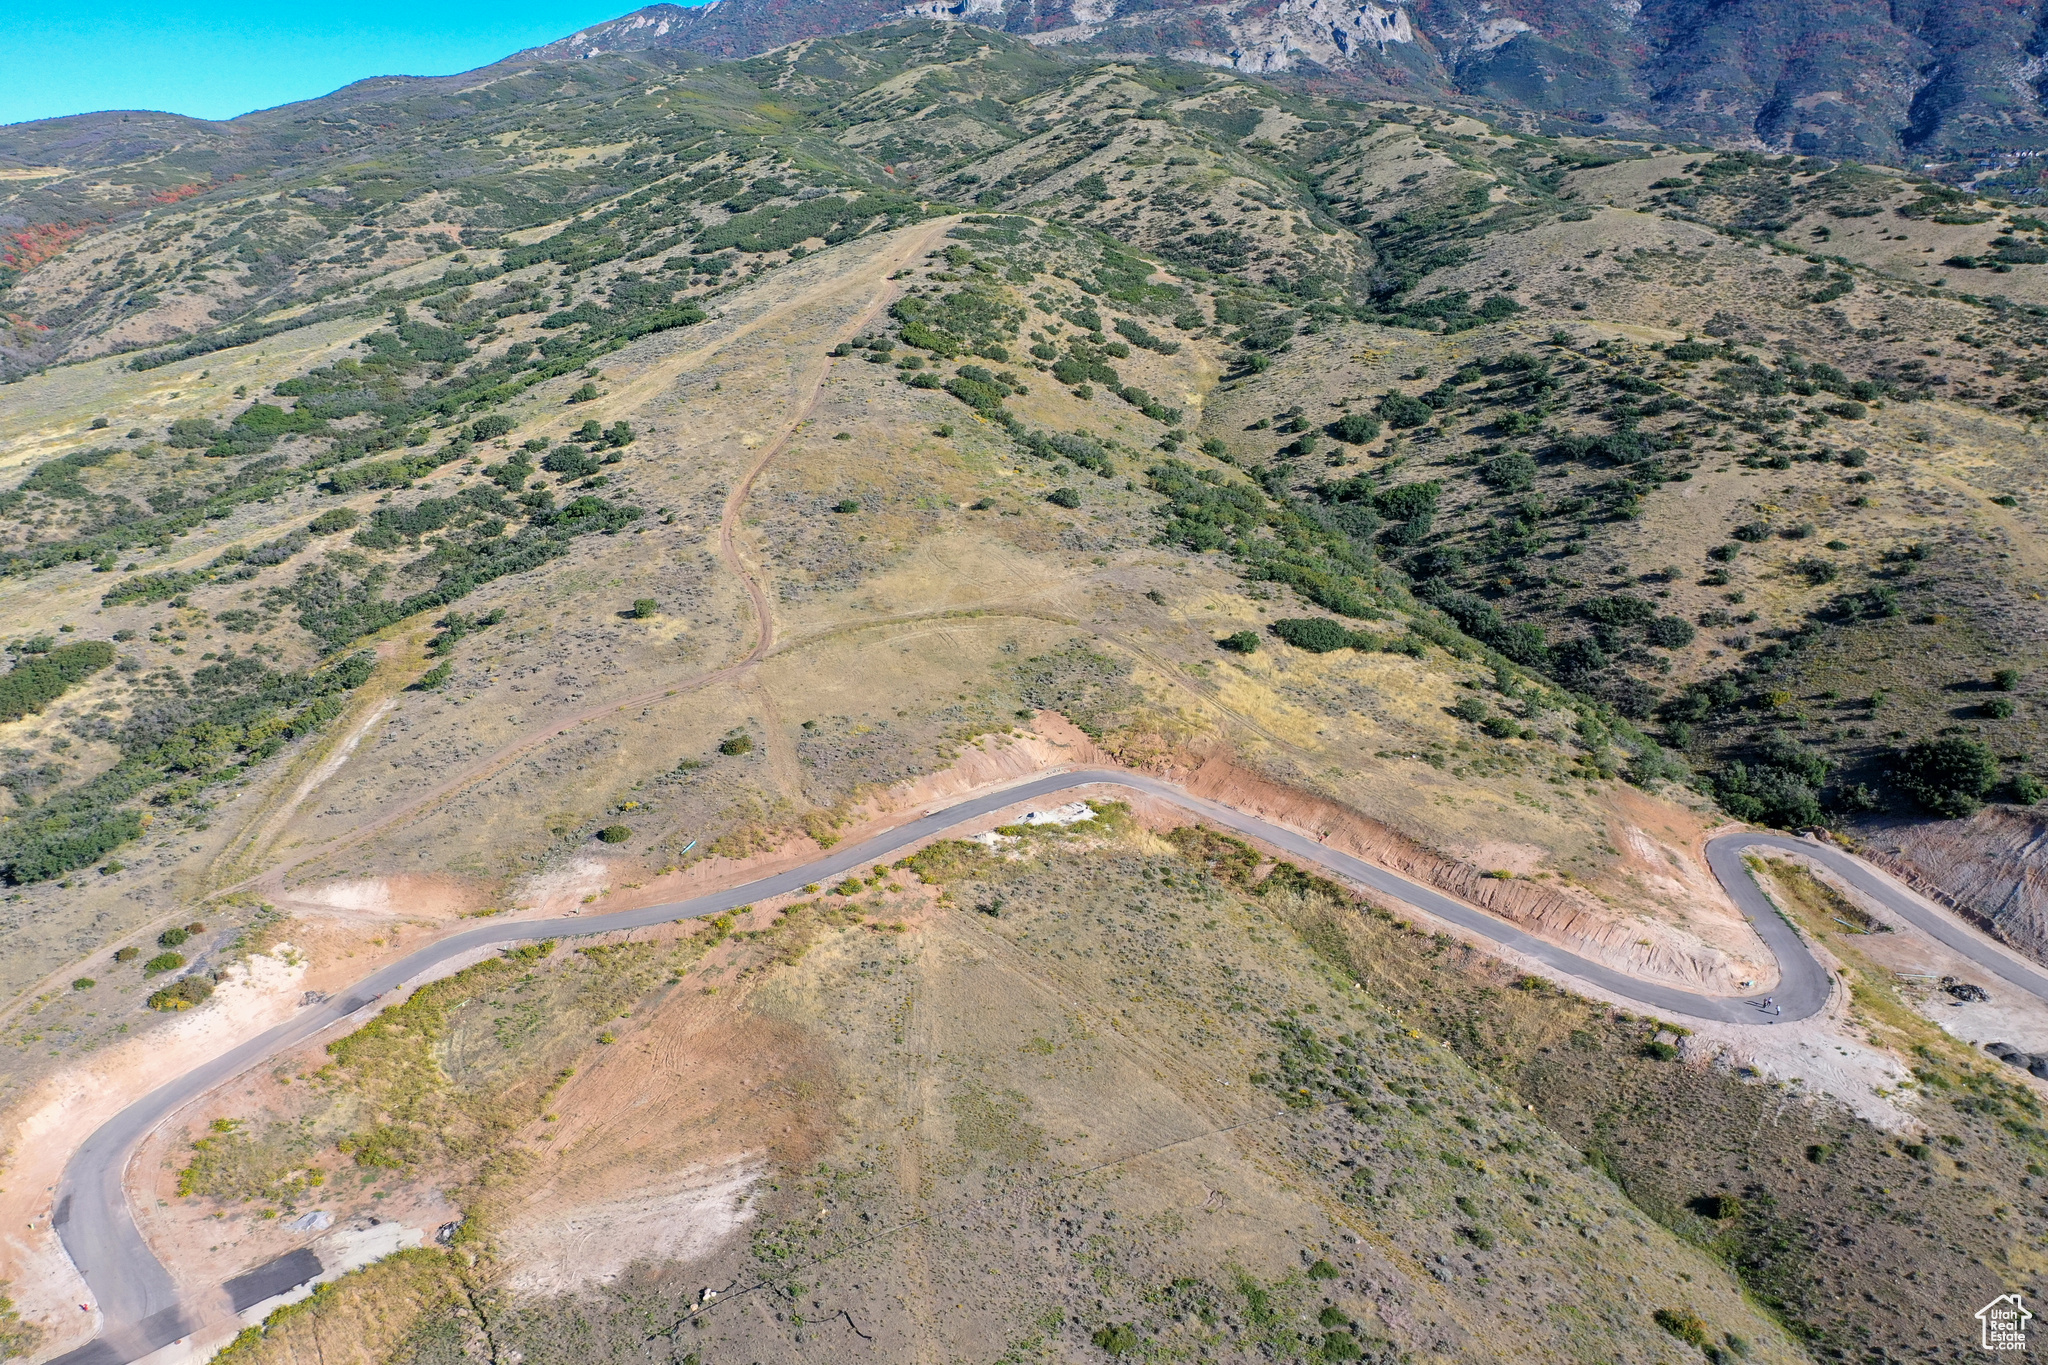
<point>219,58</point>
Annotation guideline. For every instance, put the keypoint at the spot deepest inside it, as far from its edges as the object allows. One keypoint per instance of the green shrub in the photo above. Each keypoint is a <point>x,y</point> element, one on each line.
<point>1117,1338</point>
<point>1847,410</point>
<point>1512,472</point>
<point>1622,609</point>
<point>614,834</point>
<point>1947,777</point>
<point>74,836</point>
<point>1999,708</point>
<point>2028,789</point>
<point>171,938</point>
<point>736,745</point>
<point>1316,634</point>
<point>1243,642</point>
<point>926,338</point>
<point>846,505</point>
<point>1322,1270</point>
<point>128,954</point>
<point>1402,411</point>
<point>1684,1324</point>
<point>37,681</point>
<point>182,995</point>
<point>1355,428</point>
<point>83,983</point>
<point>1717,1207</point>
<point>1662,1052</point>
<point>2006,679</point>
<point>1139,336</point>
<point>644,607</point>
<point>833,217</point>
<point>334,520</point>
<point>983,395</point>
<point>1470,709</point>
<point>1341,1346</point>
<point>571,462</point>
<point>1304,445</point>
<point>1669,632</point>
<point>191,433</point>
<point>1412,506</point>
<point>584,394</point>
<point>1063,497</point>
<point>163,962</point>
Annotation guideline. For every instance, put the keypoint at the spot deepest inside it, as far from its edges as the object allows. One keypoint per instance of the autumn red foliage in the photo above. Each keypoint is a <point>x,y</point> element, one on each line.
<point>177,192</point>
<point>24,251</point>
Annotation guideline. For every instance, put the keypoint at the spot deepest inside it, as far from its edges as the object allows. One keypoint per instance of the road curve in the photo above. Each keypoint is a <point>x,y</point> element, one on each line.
<point>139,1304</point>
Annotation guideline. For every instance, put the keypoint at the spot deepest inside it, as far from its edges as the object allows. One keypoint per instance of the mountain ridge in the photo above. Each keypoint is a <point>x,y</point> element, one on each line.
<point>1951,84</point>
<point>1855,82</point>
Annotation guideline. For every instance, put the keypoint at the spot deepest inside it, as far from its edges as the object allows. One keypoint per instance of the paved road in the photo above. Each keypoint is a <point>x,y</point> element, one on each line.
<point>139,1303</point>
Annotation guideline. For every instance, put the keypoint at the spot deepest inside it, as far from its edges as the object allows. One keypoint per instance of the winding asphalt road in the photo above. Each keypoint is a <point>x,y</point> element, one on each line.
<point>138,1301</point>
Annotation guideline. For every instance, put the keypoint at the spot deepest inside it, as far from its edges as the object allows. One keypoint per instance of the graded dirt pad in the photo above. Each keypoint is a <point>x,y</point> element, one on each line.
<point>703,1096</point>
<point>683,1217</point>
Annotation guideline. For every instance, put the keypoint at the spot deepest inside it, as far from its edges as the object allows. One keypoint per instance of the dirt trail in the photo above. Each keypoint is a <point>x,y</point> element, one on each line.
<point>398,663</point>
<point>2020,538</point>
<point>810,386</point>
<point>661,375</point>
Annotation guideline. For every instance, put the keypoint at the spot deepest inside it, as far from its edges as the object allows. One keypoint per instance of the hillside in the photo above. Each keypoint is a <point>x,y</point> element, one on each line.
<point>594,482</point>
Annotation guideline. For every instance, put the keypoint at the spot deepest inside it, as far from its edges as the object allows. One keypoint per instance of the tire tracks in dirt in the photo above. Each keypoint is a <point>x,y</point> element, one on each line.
<point>810,385</point>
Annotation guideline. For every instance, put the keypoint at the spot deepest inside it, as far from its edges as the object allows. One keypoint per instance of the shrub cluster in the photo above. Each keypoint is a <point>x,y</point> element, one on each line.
<point>1319,634</point>
<point>182,994</point>
<point>38,680</point>
<point>241,714</point>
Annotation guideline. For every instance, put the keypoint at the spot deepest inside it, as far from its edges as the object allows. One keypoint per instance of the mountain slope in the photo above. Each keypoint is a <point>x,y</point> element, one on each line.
<point>1863,81</point>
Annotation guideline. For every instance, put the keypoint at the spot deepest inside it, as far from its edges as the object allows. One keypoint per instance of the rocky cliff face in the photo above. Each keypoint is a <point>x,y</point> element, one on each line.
<point>1865,79</point>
